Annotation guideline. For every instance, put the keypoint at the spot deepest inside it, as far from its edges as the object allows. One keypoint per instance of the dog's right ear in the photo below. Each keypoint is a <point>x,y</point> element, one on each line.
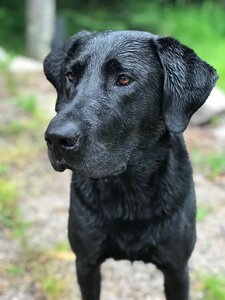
<point>55,59</point>
<point>188,81</point>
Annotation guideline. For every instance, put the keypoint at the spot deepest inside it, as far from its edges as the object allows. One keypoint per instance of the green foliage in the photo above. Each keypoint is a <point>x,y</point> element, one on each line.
<point>213,287</point>
<point>199,24</point>
<point>212,163</point>
<point>12,21</point>
<point>201,27</point>
<point>10,214</point>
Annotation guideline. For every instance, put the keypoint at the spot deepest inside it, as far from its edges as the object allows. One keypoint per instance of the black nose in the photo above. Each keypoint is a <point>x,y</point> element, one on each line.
<point>66,137</point>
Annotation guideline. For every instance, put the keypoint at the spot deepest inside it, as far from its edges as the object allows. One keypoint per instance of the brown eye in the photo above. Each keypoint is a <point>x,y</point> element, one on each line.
<point>123,80</point>
<point>71,77</point>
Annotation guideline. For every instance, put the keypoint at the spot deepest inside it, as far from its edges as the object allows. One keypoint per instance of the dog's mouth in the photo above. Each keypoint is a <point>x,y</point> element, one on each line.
<point>85,170</point>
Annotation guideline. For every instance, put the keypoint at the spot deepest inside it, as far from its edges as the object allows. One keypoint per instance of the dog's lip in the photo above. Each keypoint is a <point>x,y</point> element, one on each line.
<point>59,166</point>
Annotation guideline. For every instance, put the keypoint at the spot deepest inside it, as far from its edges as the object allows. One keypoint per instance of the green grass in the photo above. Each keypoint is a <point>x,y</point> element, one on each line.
<point>62,246</point>
<point>4,65</point>
<point>15,270</point>
<point>4,168</point>
<point>9,77</point>
<point>213,287</point>
<point>26,103</point>
<point>10,214</point>
<point>211,163</point>
<point>202,212</point>
<point>29,118</point>
<point>53,287</point>
<point>18,126</point>
<point>216,120</point>
<point>42,267</point>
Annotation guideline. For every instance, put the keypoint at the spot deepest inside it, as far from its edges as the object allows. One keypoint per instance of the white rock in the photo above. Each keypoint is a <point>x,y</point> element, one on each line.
<point>21,64</point>
<point>214,105</point>
<point>3,55</point>
<point>220,132</point>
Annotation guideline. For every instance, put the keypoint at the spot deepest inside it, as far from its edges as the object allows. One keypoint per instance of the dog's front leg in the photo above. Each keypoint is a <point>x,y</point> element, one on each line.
<point>176,283</point>
<point>89,279</point>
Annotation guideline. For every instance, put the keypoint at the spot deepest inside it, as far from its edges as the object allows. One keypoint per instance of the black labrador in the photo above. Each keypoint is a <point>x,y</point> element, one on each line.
<point>124,99</point>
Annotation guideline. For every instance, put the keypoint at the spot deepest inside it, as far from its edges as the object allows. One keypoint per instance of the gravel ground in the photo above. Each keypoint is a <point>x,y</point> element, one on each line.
<point>44,204</point>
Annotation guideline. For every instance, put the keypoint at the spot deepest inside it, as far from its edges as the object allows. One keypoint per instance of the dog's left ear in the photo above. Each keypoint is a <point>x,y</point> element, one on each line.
<point>188,82</point>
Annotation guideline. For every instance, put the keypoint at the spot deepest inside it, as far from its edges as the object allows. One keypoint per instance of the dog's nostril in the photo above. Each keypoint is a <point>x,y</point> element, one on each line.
<point>48,141</point>
<point>67,142</point>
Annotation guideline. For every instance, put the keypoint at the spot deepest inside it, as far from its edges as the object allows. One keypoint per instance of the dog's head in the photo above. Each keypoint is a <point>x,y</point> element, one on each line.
<point>116,88</point>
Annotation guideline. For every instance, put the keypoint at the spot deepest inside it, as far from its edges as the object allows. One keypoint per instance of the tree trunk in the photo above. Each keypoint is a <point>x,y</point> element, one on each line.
<point>40,16</point>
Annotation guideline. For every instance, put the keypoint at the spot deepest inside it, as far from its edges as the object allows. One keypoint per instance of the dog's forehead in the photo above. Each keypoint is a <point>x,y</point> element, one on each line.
<point>118,44</point>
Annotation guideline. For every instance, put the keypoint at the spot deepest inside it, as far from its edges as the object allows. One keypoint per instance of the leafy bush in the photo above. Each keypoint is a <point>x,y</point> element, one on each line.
<point>201,27</point>
<point>199,24</point>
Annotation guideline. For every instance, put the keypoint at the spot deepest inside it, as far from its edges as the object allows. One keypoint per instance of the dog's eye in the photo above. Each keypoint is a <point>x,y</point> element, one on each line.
<point>123,80</point>
<point>71,77</point>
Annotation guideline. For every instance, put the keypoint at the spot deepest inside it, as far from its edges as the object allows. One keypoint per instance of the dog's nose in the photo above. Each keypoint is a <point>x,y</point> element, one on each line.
<point>64,138</point>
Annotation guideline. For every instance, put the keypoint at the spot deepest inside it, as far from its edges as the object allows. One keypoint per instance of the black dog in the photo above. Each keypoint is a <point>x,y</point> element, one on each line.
<point>124,98</point>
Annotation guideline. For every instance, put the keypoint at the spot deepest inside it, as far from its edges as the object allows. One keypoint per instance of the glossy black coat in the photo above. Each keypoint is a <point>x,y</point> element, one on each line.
<point>132,193</point>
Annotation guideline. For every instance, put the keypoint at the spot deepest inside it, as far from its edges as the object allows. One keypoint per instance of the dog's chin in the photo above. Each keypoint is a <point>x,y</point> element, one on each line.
<point>102,173</point>
<point>58,166</point>
<point>61,166</point>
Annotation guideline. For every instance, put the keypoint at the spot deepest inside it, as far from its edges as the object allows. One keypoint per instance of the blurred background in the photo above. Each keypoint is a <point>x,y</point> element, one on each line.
<point>35,258</point>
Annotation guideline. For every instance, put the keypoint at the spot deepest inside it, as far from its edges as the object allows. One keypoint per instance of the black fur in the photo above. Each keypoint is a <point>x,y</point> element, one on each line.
<point>132,193</point>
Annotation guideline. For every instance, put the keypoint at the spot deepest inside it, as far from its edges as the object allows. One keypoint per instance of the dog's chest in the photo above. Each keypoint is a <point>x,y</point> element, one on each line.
<point>128,215</point>
<point>130,241</point>
<point>133,240</point>
<point>124,204</point>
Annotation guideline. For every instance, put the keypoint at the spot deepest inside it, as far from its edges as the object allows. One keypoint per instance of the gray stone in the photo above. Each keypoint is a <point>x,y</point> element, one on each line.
<point>214,105</point>
<point>21,64</point>
<point>220,132</point>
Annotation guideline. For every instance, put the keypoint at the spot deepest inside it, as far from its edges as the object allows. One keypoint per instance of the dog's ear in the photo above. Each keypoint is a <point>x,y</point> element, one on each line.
<point>54,61</point>
<point>188,82</point>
